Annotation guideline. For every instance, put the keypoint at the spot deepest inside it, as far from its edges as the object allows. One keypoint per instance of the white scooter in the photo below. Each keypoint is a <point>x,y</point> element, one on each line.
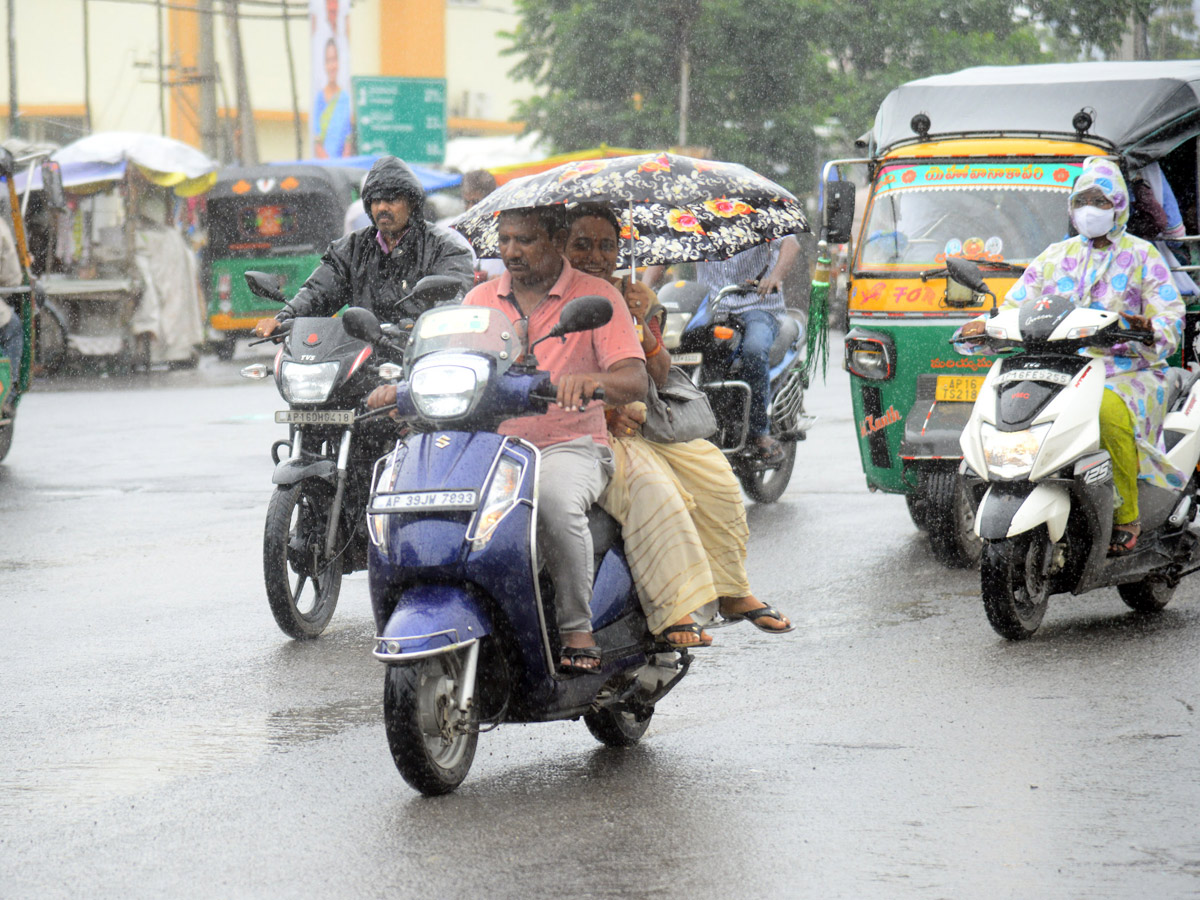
<point>1034,437</point>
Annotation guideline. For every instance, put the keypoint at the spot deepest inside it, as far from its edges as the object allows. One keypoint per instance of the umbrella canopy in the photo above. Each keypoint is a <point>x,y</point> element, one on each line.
<point>682,209</point>
<point>104,156</point>
<point>431,179</point>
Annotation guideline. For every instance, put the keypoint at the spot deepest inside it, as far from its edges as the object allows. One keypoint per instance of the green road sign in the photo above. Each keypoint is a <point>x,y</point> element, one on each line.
<point>405,117</point>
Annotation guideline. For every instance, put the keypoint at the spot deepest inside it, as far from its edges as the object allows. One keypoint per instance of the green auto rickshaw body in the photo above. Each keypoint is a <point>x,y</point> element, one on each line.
<point>979,164</point>
<point>275,219</point>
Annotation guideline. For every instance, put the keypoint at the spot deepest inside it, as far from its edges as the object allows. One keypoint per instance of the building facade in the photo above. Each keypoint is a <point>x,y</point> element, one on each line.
<point>138,65</point>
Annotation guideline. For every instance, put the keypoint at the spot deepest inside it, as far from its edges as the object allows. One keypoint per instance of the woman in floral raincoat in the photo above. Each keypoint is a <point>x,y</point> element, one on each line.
<point>1104,267</point>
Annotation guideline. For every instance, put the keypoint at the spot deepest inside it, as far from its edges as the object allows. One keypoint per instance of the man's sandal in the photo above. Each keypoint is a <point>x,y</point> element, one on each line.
<point>688,628</point>
<point>573,655</point>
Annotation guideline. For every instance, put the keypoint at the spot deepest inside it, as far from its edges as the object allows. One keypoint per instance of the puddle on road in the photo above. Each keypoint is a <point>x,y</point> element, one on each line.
<point>162,752</point>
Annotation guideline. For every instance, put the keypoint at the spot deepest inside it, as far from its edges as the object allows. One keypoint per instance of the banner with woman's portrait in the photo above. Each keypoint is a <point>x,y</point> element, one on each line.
<point>330,121</point>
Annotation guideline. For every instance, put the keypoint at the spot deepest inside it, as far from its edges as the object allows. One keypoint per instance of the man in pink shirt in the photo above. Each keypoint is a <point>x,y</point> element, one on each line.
<point>576,460</point>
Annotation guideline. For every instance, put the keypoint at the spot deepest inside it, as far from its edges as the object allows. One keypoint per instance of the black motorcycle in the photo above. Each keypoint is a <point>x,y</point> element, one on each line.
<point>316,527</point>
<point>704,338</point>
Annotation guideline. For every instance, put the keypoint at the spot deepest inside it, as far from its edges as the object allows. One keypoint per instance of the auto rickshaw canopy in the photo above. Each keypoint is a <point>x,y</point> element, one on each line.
<point>1143,109</point>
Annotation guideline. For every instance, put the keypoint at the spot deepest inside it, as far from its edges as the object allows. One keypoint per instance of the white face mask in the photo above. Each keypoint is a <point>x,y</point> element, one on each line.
<point>1093,222</point>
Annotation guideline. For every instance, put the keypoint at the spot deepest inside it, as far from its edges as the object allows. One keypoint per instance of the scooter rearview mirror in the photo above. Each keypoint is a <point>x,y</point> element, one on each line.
<point>435,289</point>
<point>361,324</point>
<point>966,273</point>
<point>583,314</point>
<point>264,285</point>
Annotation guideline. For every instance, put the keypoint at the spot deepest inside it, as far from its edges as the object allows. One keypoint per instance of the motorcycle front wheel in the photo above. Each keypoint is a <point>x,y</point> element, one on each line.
<point>302,585</point>
<point>431,740</point>
<point>766,485</point>
<point>1016,589</point>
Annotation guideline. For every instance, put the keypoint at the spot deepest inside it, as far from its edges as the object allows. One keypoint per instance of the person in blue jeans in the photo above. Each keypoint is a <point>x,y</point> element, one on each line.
<point>762,312</point>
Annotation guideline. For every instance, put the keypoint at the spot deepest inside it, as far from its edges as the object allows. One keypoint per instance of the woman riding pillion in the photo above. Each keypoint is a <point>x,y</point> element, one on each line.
<point>1105,267</point>
<point>679,505</point>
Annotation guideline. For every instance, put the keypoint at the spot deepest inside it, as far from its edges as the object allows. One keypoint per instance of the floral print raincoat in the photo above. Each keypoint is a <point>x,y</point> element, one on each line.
<point>1128,276</point>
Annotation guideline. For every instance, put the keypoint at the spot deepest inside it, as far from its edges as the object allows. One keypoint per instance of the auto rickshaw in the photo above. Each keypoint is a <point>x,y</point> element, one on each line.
<point>121,189</point>
<point>22,298</point>
<point>277,219</point>
<point>979,164</point>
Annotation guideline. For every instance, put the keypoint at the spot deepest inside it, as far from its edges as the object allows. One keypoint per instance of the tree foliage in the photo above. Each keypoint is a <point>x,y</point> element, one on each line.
<point>770,79</point>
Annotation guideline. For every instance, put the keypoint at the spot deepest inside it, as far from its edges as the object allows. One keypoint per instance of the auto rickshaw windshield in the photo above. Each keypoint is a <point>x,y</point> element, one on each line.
<point>918,219</point>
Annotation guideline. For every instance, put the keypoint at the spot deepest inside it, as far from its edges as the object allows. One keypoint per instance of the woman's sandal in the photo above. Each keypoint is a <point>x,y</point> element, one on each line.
<point>573,655</point>
<point>753,615</point>
<point>1122,541</point>
<point>688,628</point>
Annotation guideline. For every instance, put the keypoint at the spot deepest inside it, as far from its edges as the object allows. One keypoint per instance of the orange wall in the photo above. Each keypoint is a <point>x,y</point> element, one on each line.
<point>183,38</point>
<point>412,38</point>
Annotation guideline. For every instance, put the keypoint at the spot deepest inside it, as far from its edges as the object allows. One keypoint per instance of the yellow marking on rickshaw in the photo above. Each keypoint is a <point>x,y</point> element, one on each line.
<point>224,322</point>
<point>958,388</point>
<point>913,295</point>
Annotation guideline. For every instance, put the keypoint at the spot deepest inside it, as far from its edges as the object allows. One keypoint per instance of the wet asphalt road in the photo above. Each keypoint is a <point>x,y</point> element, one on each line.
<point>161,738</point>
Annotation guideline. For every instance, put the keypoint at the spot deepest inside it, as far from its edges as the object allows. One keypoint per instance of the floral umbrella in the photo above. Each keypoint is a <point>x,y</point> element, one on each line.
<point>672,208</point>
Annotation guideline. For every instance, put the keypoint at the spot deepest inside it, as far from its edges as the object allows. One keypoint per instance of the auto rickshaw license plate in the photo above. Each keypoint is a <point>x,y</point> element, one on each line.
<point>964,388</point>
<point>315,417</point>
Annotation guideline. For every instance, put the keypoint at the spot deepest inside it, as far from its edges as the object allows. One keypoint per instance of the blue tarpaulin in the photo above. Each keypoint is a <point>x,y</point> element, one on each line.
<point>431,179</point>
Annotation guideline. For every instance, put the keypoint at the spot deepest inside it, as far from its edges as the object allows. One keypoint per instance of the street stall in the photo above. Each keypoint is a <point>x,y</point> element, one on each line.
<point>120,280</point>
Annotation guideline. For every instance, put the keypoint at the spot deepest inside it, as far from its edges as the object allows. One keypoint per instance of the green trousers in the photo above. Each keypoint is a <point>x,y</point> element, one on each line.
<point>1116,436</point>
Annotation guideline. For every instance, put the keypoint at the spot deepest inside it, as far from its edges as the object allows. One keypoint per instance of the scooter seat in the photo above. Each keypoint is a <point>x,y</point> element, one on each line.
<point>606,531</point>
<point>789,331</point>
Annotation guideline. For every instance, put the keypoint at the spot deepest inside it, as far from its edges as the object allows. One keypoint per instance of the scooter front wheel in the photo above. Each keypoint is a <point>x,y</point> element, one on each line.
<point>302,585</point>
<point>1015,584</point>
<point>432,741</point>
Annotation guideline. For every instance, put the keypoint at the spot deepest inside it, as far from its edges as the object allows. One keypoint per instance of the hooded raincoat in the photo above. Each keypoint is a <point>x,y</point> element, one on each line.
<point>357,270</point>
<point>1128,276</point>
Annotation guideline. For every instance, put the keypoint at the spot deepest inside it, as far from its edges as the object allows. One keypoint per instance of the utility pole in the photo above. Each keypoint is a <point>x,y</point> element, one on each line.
<point>162,72</point>
<point>287,39</point>
<point>685,13</point>
<point>87,72</point>
<point>14,129</point>
<point>209,136</point>
<point>247,149</point>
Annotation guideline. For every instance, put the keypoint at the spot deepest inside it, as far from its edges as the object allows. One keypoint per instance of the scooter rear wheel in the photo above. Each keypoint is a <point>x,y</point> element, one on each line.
<point>302,586</point>
<point>1146,596</point>
<point>616,727</point>
<point>1016,590</point>
<point>432,742</point>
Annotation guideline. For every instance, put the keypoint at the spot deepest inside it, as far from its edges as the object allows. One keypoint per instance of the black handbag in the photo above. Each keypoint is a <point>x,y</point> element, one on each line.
<point>678,411</point>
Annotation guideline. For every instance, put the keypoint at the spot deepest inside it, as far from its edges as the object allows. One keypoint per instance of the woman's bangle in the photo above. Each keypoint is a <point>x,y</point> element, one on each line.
<point>657,349</point>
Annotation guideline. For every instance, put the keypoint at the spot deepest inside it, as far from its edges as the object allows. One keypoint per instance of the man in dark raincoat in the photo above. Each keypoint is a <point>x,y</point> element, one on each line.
<point>376,267</point>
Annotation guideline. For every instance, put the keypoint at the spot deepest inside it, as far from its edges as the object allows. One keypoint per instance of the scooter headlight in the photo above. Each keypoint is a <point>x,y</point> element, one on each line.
<point>502,495</point>
<point>444,392</point>
<point>307,382</point>
<point>676,324</point>
<point>1010,454</point>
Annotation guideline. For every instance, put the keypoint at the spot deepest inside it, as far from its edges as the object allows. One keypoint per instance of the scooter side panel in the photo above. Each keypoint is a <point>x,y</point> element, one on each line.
<point>432,617</point>
<point>613,595</point>
<point>1008,511</point>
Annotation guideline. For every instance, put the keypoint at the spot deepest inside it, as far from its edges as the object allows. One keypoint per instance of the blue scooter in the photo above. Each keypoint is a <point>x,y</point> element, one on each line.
<point>464,617</point>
